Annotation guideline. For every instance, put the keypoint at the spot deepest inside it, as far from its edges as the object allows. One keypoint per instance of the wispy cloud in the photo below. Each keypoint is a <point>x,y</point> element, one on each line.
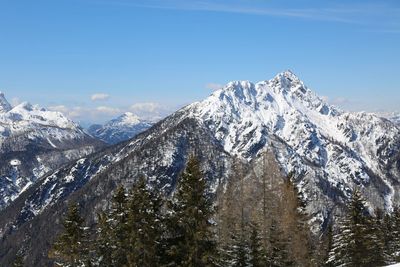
<point>108,110</point>
<point>99,96</point>
<point>15,101</point>
<point>366,13</point>
<point>213,86</point>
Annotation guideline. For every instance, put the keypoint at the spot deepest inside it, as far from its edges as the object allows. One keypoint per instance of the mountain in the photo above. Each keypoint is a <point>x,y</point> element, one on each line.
<point>33,142</point>
<point>395,118</point>
<point>391,116</point>
<point>4,105</point>
<point>125,127</point>
<point>330,152</point>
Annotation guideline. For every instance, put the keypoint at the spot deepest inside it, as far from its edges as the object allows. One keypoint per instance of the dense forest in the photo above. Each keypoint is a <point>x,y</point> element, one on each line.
<point>248,223</point>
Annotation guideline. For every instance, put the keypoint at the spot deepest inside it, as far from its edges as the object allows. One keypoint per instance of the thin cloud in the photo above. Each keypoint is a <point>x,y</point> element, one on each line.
<point>340,101</point>
<point>99,96</point>
<point>108,110</point>
<point>15,101</point>
<point>151,110</point>
<point>214,86</point>
<point>345,13</point>
<point>146,107</point>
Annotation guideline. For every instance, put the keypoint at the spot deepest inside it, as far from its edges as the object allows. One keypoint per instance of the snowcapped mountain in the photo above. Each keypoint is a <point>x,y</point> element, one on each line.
<point>4,105</point>
<point>395,118</point>
<point>330,151</point>
<point>337,150</point>
<point>125,127</point>
<point>33,142</point>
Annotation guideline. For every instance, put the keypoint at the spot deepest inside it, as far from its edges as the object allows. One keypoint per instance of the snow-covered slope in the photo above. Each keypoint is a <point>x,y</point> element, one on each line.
<point>395,118</point>
<point>33,142</point>
<point>125,127</point>
<point>330,150</point>
<point>338,150</point>
<point>4,105</point>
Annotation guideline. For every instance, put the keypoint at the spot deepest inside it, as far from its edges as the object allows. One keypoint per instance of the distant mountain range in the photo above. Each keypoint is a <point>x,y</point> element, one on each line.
<point>125,127</point>
<point>329,151</point>
<point>33,142</point>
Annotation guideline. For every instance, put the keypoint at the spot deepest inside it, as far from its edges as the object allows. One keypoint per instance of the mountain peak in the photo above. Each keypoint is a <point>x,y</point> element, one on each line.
<point>127,118</point>
<point>4,105</point>
<point>120,129</point>
<point>288,81</point>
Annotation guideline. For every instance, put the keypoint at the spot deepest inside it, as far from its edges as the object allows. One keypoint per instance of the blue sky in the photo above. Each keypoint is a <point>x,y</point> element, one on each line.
<point>95,59</point>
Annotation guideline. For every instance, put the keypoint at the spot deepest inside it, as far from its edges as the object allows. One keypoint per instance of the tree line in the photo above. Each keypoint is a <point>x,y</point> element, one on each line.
<point>252,222</point>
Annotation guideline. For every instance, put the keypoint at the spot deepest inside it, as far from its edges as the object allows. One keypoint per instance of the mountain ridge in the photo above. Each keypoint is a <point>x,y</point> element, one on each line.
<point>33,142</point>
<point>330,151</point>
<point>120,129</point>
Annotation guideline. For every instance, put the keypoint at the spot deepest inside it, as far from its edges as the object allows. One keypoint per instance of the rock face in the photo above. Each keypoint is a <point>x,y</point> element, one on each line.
<point>123,128</point>
<point>33,142</point>
<point>330,151</point>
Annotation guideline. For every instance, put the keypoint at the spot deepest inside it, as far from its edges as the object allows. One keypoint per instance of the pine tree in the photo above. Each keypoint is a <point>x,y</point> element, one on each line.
<point>375,243</point>
<point>240,253</point>
<point>19,261</point>
<point>256,253</point>
<point>191,236</point>
<point>392,240</point>
<point>356,242</point>
<point>119,229</point>
<point>145,225</point>
<point>326,245</point>
<point>104,245</point>
<point>71,247</point>
<point>389,235</point>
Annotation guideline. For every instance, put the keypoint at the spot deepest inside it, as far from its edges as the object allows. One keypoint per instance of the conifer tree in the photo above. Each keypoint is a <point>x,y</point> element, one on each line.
<point>145,225</point>
<point>104,246</point>
<point>356,242</point>
<point>256,257</point>
<point>240,255</point>
<point>375,243</point>
<point>191,237</point>
<point>19,261</point>
<point>278,253</point>
<point>392,240</point>
<point>119,229</point>
<point>71,246</point>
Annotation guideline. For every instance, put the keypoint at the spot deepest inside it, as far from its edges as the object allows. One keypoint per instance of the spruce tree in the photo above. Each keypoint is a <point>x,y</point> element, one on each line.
<point>119,228</point>
<point>392,239</point>
<point>18,261</point>
<point>356,242</point>
<point>71,246</point>
<point>256,253</point>
<point>104,246</point>
<point>144,225</point>
<point>240,255</point>
<point>191,236</point>
<point>278,252</point>
<point>375,243</point>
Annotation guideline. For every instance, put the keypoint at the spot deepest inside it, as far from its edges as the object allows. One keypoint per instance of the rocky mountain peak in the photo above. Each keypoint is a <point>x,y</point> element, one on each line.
<point>4,105</point>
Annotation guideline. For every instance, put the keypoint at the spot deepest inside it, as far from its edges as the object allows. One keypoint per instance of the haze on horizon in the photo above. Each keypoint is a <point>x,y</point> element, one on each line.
<point>95,59</point>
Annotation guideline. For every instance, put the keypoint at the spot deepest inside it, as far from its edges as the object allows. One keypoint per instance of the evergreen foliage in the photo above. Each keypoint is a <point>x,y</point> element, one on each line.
<point>145,225</point>
<point>71,247</point>
<point>19,261</point>
<point>357,242</point>
<point>190,233</point>
<point>258,224</point>
<point>256,254</point>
